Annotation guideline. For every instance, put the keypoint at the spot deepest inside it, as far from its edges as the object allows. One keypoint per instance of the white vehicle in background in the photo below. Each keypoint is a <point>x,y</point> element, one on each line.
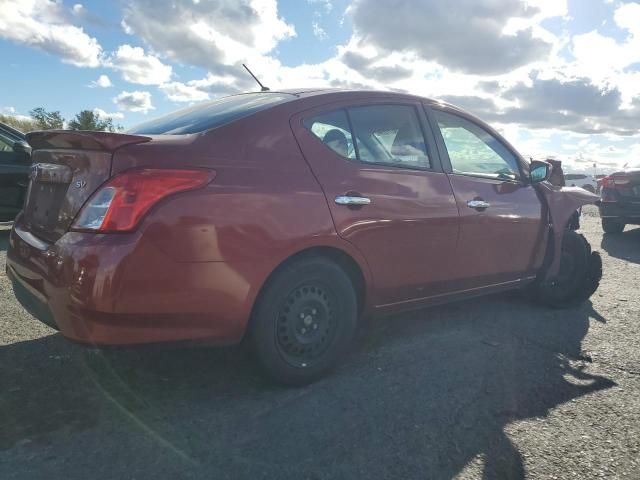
<point>588,182</point>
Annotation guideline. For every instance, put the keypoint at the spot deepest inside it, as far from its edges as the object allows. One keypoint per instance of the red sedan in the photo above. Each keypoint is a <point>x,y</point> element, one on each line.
<point>285,217</point>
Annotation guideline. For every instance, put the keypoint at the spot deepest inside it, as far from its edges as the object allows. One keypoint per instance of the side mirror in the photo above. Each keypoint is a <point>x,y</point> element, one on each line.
<point>539,171</point>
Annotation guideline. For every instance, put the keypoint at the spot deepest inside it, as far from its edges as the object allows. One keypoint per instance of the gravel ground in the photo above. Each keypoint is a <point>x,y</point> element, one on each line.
<point>488,388</point>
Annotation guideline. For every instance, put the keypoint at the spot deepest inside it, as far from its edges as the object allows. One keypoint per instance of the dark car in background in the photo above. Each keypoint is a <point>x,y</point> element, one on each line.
<point>15,163</point>
<point>620,200</point>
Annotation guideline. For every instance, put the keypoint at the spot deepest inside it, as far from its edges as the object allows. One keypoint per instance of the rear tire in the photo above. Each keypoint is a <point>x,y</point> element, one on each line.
<point>304,321</point>
<point>612,225</point>
<point>578,278</point>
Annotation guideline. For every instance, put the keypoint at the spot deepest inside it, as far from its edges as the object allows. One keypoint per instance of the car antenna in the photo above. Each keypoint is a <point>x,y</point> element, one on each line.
<point>262,87</point>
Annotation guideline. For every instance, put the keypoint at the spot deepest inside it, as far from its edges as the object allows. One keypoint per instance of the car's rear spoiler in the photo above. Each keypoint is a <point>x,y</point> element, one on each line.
<point>82,140</point>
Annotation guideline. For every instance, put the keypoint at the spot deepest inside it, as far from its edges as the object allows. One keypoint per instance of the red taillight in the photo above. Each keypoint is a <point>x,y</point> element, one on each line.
<point>615,181</point>
<point>621,181</point>
<point>120,204</point>
<point>607,182</point>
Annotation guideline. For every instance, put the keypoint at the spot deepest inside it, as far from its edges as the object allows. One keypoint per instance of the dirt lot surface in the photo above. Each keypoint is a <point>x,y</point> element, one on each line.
<point>495,387</point>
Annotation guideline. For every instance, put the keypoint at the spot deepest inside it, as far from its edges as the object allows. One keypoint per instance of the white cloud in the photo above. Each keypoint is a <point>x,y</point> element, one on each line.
<point>203,89</point>
<point>603,58</point>
<point>138,67</point>
<point>206,33</point>
<point>318,31</point>
<point>42,24</point>
<point>104,115</point>
<point>135,101</point>
<point>103,81</point>
<point>78,9</point>
<point>627,16</point>
<point>181,92</point>
<point>482,40</point>
<point>325,4</point>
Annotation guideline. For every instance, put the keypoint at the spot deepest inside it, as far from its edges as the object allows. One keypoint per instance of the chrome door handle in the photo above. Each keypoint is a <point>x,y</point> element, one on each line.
<point>478,204</point>
<point>349,200</point>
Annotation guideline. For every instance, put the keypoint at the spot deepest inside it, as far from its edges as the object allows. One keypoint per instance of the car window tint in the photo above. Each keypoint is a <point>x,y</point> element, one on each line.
<point>475,151</point>
<point>6,145</point>
<point>390,134</point>
<point>333,130</point>
<point>216,113</point>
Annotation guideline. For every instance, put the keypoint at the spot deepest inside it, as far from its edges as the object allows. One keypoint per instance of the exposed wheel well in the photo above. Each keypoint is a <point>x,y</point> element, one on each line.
<point>343,259</point>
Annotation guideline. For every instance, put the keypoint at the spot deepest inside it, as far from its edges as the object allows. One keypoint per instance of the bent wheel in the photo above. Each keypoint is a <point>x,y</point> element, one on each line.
<point>578,277</point>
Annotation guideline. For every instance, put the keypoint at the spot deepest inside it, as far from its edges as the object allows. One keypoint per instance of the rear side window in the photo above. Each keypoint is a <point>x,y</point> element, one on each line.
<point>384,134</point>
<point>206,116</point>
<point>333,129</point>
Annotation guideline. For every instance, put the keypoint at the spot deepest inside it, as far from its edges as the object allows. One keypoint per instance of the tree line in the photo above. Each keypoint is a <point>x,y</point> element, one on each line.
<point>41,119</point>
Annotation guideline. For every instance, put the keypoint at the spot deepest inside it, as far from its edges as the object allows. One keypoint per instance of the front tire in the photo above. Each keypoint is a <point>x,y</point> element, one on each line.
<point>578,277</point>
<point>612,225</point>
<point>304,321</point>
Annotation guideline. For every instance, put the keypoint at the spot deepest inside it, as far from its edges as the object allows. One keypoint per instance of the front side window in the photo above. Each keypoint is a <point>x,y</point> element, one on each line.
<point>384,134</point>
<point>473,150</point>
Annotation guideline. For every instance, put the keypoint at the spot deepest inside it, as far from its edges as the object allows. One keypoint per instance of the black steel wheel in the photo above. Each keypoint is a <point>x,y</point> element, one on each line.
<point>304,320</point>
<point>306,324</point>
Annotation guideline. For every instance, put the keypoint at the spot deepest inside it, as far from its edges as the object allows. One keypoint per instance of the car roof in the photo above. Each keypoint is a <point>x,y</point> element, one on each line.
<point>358,92</point>
<point>632,170</point>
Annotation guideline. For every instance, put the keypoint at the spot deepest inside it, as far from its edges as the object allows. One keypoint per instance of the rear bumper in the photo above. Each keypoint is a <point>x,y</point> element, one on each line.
<point>629,211</point>
<point>122,290</point>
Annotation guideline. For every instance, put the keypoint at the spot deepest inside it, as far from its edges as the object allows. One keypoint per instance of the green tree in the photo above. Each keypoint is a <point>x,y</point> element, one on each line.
<point>47,120</point>
<point>88,120</point>
<point>22,124</point>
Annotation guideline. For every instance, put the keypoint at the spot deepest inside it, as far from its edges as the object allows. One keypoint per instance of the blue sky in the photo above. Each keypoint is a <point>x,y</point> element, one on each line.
<point>558,78</point>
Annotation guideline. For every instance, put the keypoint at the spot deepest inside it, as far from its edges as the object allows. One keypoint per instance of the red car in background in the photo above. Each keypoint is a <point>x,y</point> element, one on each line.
<point>284,217</point>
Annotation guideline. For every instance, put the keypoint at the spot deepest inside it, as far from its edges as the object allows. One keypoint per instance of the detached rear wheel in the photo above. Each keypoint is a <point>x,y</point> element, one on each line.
<point>304,321</point>
<point>612,225</point>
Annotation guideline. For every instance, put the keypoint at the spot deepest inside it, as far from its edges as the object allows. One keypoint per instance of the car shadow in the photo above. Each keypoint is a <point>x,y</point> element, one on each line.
<point>625,245</point>
<point>422,396</point>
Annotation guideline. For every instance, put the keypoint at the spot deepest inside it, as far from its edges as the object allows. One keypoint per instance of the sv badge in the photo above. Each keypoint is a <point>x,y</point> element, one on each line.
<point>81,183</point>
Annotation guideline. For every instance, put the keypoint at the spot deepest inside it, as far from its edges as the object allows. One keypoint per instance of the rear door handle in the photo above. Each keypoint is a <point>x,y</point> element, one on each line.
<point>352,200</point>
<point>476,203</point>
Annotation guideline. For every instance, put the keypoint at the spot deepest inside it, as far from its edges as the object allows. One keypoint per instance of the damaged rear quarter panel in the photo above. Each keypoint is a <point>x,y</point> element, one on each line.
<point>562,203</point>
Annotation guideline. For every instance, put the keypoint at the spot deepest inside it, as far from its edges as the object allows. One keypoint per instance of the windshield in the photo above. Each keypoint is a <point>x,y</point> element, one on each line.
<point>206,116</point>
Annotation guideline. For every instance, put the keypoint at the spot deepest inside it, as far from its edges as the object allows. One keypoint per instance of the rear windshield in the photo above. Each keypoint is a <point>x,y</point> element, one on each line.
<point>206,116</point>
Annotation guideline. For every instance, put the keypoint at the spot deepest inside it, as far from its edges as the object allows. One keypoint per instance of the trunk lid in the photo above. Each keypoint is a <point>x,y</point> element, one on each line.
<point>627,184</point>
<point>68,166</point>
